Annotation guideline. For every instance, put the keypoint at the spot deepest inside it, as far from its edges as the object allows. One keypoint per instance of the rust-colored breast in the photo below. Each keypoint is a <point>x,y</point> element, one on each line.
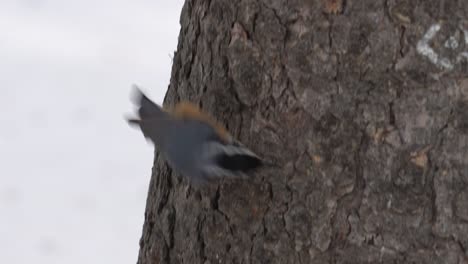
<point>187,110</point>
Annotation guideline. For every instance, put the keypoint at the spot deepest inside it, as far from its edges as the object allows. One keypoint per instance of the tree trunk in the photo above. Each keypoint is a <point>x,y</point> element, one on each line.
<point>362,104</point>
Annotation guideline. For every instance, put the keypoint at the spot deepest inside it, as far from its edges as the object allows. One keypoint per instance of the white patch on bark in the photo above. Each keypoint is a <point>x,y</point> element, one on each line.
<point>465,33</point>
<point>464,55</point>
<point>451,43</point>
<point>425,49</point>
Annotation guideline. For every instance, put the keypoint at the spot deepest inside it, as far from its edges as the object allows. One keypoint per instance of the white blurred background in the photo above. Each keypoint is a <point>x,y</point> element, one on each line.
<point>73,175</point>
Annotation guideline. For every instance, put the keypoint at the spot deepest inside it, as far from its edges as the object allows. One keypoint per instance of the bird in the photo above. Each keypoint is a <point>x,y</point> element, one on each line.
<point>193,142</point>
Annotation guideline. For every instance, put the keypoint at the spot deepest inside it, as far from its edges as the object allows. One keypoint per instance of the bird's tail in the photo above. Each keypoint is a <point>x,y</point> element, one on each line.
<point>147,109</point>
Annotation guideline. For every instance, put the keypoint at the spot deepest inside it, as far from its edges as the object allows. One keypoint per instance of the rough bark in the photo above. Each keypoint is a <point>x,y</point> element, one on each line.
<point>362,104</point>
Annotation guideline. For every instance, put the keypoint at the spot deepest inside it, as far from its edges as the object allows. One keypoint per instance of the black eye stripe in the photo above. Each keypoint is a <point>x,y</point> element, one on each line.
<point>238,162</point>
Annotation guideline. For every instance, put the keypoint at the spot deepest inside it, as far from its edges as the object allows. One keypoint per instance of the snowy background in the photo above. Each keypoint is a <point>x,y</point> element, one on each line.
<point>73,175</point>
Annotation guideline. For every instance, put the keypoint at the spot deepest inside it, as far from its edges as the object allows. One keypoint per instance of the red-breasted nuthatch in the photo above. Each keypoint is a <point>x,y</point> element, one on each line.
<point>192,142</point>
